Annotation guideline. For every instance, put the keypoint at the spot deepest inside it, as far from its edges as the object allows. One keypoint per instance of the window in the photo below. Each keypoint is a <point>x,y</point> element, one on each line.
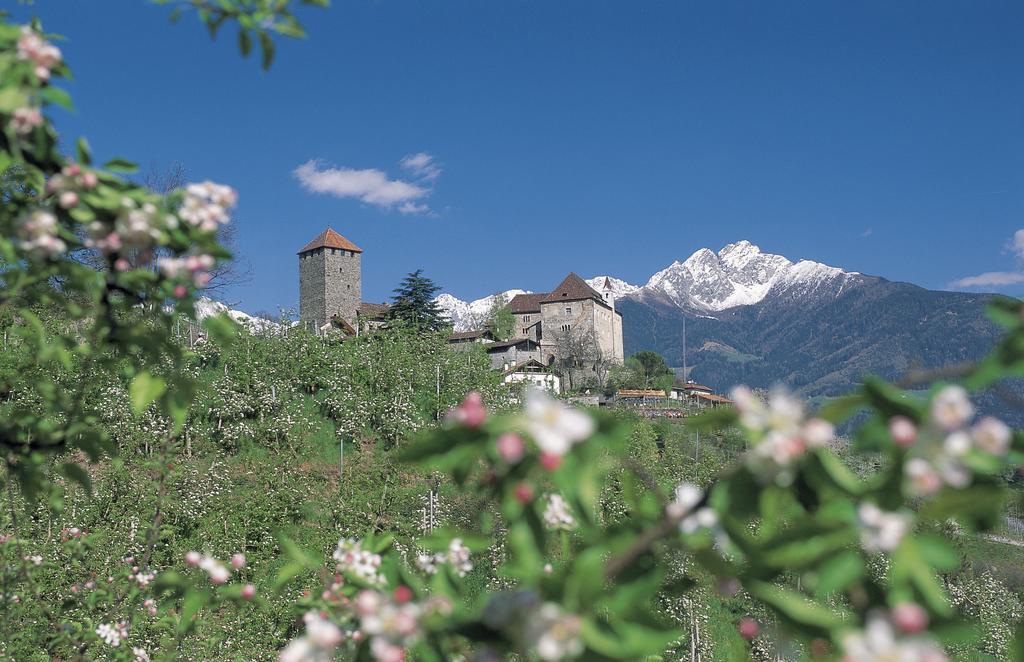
<point>568,310</point>
<point>526,318</point>
<point>566,327</point>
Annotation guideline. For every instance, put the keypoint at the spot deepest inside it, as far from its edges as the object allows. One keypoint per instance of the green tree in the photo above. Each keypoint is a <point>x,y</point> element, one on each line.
<point>414,303</point>
<point>500,319</point>
<point>644,370</point>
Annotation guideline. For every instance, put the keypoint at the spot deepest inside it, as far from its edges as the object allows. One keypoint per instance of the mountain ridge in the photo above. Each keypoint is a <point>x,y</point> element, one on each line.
<point>758,318</point>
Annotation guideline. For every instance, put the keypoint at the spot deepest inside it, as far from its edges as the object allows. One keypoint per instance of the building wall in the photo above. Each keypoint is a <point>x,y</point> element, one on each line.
<point>620,353</point>
<point>330,283</point>
<point>556,315</point>
<point>604,331</point>
<point>541,380</point>
<point>511,356</point>
<point>527,326</point>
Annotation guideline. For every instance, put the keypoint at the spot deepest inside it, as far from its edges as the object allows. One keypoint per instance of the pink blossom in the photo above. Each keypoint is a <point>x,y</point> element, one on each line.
<point>951,407</point>
<point>510,447</point>
<point>471,413</point>
<point>23,120</point>
<point>903,431</point>
<point>68,199</point>
<point>524,492</point>
<point>909,618</point>
<point>749,628</point>
<point>238,561</point>
<point>402,594</point>
<point>180,291</point>
<point>122,264</point>
<point>550,461</point>
<point>89,180</point>
<point>992,435</point>
<point>248,592</point>
<point>368,602</point>
<point>193,558</point>
<point>32,47</point>
<point>219,574</point>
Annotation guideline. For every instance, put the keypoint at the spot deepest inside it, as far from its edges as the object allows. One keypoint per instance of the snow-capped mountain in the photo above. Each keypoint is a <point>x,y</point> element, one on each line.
<point>467,315</point>
<point>207,307</point>
<point>740,275</point>
<point>619,287</point>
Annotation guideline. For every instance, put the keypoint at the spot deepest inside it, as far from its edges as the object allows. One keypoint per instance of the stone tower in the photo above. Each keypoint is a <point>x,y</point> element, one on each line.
<point>330,280</point>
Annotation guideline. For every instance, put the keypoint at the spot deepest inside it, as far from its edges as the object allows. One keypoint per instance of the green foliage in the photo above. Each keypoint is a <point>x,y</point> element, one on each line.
<point>643,370</point>
<point>413,303</point>
<point>136,462</point>
<point>256,19</point>
<point>500,319</point>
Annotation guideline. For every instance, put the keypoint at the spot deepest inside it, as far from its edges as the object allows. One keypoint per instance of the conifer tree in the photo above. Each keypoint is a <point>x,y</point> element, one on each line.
<point>413,303</point>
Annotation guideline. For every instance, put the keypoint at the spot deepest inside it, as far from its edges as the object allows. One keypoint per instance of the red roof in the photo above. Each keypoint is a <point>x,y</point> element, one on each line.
<point>526,303</point>
<point>573,288</point>
<point>330,239</point>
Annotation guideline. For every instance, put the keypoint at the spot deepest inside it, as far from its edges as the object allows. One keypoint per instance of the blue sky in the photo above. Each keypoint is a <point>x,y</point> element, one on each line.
<point>598,137</point>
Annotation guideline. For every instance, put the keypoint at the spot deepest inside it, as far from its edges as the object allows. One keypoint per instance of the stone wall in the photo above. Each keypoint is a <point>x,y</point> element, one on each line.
<point>330,283</point>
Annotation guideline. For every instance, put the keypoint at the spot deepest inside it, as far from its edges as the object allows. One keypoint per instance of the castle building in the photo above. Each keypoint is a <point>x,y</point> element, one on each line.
<point>330,285</point>
<point>573,316</point>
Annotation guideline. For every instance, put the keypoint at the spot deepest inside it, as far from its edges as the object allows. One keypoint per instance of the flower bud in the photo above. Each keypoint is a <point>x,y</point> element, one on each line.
<point>909,618</point>
<point>510,447</point>
<point>749,628</point>
<point>903,431</point>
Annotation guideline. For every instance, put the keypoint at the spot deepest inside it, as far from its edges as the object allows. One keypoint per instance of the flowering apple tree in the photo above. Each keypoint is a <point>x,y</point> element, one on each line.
<point>841,564</point>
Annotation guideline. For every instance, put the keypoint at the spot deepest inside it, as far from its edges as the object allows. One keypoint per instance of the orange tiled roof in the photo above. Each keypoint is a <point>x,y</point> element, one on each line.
<point>641,393</point>
<point>330,239</point>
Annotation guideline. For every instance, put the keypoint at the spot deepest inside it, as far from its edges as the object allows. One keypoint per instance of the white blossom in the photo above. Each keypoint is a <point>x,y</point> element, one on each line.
<point>38,233</point>
<point>991,435</point>
<point>24,120</point>
<point>553,425</point>
<point>32,47</point>
<point>951,408</point>
<point>553,634</point>
<point>112,634</point>
<point>350,557</point>
<point>780,433</point>
<point>557,514</point>
<point>881,531</point>
<point>206,205</point>
<point>878,642</point>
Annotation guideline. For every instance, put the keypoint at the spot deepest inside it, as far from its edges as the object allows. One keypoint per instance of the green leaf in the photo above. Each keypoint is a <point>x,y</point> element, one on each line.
<point>889,400</point>
<point>84,153</point>
<point>144,390</point>
<point>56,95</point>
<point>267,44</point>
<point>244,42</point>
<point>120,165</point>
<point>193,602</point>
<point>222,329</point>
<point>837,573</point>
<point>837,410</point>
<point>802,546</point>
<point>796,607</point>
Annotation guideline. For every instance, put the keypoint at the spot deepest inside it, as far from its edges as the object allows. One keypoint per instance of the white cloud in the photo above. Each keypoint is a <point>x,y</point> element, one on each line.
<point>867,233</point>
<point>998,278</point>
<point>422,165</point>
<point>991,279</point>
<point>1017,244</point>
<point>373,186</point>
